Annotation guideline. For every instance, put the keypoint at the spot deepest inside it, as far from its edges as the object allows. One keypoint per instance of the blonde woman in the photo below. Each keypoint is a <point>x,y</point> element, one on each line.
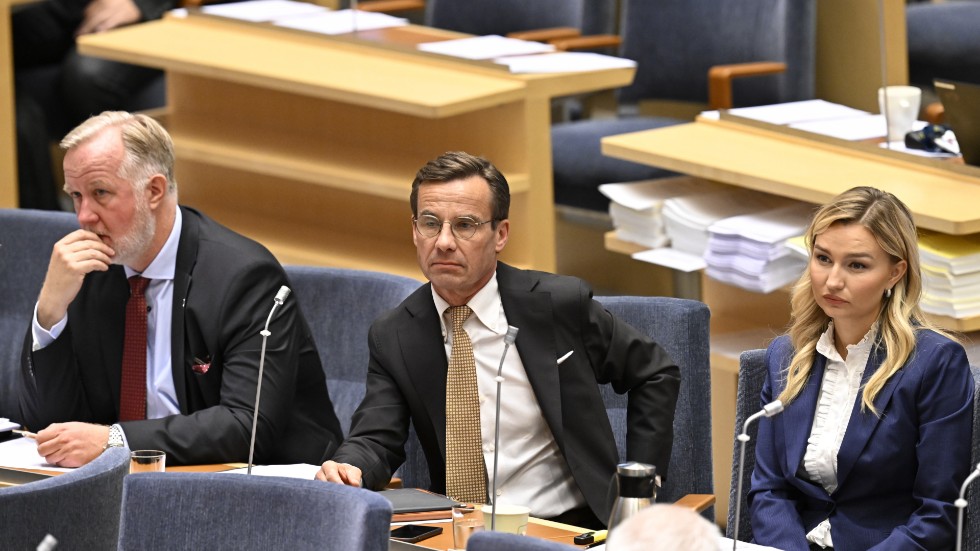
<point>875,438</point>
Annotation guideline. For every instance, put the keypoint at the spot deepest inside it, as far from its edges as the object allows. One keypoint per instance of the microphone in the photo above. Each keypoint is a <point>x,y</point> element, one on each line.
<point>961,504</point>
<point>280,298</point>
<point>509,339</point>
<point>768,410</point>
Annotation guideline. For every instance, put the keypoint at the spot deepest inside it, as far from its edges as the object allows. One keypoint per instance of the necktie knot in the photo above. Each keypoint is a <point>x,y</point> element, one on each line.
<point>459,315</point>
<point>137,285</point>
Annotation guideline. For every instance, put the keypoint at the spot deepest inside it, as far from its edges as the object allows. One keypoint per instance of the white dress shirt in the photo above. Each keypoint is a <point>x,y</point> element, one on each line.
<point>838,393</point>
<point>161,397</point>
<point>531,469</point>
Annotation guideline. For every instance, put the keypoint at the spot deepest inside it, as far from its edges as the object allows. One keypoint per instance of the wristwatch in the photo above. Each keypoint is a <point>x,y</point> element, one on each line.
<point>116,439</point>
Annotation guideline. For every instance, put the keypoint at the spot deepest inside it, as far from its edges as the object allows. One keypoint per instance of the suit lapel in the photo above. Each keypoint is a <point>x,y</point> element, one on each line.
<point>186,260</point>
<point>800,416</point>
<point>424,356</point>
<point>862,424</point>
<point>532,313</point>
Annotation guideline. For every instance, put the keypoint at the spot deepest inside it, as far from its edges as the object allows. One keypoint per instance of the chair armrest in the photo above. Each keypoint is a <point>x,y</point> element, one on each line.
<point>391,5</point>
<point>934,113</point>
<point>698,502</point>
<point>545,35</point>
<point>720,79</point>
<point>586,42</point>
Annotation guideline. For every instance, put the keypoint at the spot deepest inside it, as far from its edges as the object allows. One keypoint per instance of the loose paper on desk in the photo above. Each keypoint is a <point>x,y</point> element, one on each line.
<point>298,470</point>
<point>21,453</point>
<point>645,194</point>
<point>564,62</point>
<point>672,258</point>
<point>485,47</point>
<point>341,22</point>
<point>797,111</point>
<point>258,11</point>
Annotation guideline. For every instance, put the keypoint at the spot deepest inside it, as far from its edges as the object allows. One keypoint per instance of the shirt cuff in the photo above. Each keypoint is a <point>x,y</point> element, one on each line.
<point>42,337</point>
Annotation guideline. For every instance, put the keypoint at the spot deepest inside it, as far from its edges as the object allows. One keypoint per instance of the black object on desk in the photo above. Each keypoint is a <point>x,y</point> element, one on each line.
<point>416,500</point>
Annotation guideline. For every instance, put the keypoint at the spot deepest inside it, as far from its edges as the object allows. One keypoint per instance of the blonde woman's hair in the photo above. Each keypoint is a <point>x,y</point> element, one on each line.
<point>890,222</point>
<point>148,147</point>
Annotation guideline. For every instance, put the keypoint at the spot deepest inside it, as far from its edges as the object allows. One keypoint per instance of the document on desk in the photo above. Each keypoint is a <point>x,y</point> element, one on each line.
<point>21,453</point>
<point>340,22</point>
<point>797,111</point>
<point>485,47</point>
<point>564,62</point>
<point>298,470</point>
<point>258,11</point>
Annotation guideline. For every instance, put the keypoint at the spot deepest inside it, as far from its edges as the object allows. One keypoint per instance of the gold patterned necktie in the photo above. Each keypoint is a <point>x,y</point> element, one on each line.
<point>466,479</point>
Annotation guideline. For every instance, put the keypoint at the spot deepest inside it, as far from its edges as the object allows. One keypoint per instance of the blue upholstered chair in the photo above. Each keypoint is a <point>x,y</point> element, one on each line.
<point>971,524</point>
<point>216,511</point>
<point>751,376</point>
<point>26,238</point>
<point>340,304</point>
<point>944,42</point>
<point>674,43</point>
<point>681,327</point>
<point>483,17</point>
<point>498,541</point>
<point>79,508</point>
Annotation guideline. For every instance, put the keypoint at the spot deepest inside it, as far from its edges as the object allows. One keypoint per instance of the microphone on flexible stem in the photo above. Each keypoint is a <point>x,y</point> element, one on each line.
<point>768,410</point>
<point>509,339</point>
<point>961,504</point>
<point>280,298</point>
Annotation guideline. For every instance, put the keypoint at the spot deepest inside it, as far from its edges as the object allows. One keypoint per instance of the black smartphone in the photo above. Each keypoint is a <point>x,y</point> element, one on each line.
<point>413,533</point>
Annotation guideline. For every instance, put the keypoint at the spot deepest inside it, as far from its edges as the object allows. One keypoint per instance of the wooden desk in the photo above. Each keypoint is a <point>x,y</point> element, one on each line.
<point>942,198</point>
<point>538,528</point>
<point>309,143</point>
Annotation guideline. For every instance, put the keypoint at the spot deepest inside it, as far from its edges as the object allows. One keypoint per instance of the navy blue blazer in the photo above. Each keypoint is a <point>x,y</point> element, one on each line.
<point>898,472</point>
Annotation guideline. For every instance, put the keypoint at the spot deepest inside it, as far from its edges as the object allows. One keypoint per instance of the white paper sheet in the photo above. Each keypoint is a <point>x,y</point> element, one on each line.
<point>263,10</point>
<point>21,453</point>
<point>797,111</point>
<point>485,47</point>
<point>672,258</point>
<point>341,22</point>
<point>564,62</point>
<point>298,470</point>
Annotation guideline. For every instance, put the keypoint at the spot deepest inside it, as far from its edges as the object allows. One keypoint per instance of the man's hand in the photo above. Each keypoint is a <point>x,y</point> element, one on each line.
<point>72,444</point>
<point>102,15</point>
<point>77,254</point>
<point>341,473</point>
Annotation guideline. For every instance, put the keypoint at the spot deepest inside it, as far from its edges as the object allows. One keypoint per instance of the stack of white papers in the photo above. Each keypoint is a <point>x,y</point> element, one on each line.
<point>636,207</point>
<point>258,11</point>
<point>485,47</point>
<point>341,21</point>
<point>564,62</point>
<point>751,250</point>
<point>950,274</point>
<point>688,218</point>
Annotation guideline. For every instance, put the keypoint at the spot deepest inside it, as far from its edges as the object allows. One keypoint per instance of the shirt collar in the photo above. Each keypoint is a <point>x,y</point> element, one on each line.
<point>485,305</point>
<point>825,345</point>
<point>165,263</point>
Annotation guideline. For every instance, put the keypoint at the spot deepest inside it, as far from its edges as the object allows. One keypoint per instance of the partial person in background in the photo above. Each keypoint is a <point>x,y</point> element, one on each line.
<point>875,439</point>
<point>149,320</point>
<point>57,88</point>
<point>434,360</point>
<point>664,527</point>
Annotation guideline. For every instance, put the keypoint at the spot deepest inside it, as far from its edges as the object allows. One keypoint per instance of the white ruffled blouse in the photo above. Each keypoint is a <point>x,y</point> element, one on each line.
<point>838,393</point>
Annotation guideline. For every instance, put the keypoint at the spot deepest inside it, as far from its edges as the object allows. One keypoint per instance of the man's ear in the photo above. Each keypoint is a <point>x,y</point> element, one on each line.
<point>156,190</point>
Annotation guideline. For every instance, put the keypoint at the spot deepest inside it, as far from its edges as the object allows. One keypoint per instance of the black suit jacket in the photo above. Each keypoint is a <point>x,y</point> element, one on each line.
<point>407,381</point>
<point>223,289</point>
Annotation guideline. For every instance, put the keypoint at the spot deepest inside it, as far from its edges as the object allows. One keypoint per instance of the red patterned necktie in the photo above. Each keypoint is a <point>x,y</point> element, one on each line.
<point>132,396</point>
<point>466,478</point>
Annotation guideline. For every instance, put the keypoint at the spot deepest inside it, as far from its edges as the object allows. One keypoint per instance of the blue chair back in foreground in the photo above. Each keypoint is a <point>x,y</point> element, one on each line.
<point>220,511</point>
<point>26,239</point>
<point>498,541</point>
<point>751,376</point>
<point>681,327</point>
<point>79,508</point>
<point>971,519</point>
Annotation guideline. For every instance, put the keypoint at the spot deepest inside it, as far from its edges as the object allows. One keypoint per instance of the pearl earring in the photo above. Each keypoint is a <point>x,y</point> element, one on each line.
<point>888,293</point>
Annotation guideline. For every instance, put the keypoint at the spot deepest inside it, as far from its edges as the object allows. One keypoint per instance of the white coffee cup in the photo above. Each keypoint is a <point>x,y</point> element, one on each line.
<point>510,518</point>
<point>903,109</point>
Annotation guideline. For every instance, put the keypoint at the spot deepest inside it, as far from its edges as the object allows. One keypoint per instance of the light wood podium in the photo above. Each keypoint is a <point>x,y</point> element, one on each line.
<point>942,195</point>
<point>309,143</point>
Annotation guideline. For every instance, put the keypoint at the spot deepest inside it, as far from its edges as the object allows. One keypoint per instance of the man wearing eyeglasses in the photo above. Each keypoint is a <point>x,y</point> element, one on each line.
<point>557,453</point>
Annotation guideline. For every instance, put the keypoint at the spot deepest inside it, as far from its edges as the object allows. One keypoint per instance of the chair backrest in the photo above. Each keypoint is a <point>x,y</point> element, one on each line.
<point>675,42</point>
<point>339,305</point>
<point>681,327</point>
<point>79,508</point>
<point>495,541</point>
<point>26,239</point>
<point>751,376</point>
<point>483,17</point>
<point>163,511</point>
<point>971,524</point>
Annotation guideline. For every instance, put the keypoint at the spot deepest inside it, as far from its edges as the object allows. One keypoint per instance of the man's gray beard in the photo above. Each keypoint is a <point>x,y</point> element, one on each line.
<point>132,246</point>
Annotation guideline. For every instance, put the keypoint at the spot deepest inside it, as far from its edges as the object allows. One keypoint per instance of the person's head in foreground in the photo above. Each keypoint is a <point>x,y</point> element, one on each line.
<point>664,527</point>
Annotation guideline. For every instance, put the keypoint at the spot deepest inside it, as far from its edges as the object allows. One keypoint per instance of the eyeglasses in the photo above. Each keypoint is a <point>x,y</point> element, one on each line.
<point>463,227</point>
